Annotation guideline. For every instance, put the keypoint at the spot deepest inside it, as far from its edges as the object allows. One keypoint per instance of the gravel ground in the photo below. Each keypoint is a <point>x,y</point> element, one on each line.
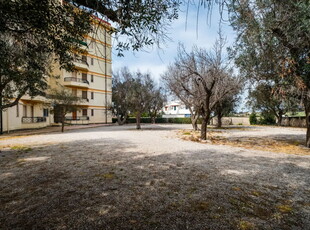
<point>120,178</point>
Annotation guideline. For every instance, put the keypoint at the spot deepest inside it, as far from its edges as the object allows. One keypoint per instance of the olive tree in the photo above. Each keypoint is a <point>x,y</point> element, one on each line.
<point>207,76</point>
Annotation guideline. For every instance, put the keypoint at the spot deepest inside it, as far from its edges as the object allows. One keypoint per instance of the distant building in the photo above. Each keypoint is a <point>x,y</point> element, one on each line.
<point>175,109</point>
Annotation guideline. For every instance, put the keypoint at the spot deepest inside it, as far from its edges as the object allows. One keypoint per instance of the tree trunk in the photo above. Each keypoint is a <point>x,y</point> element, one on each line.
<point>138,121</point>
<point>203,132</point>
<point>194,119</point>
<point>279,123</point>
<point>153,120</point>
<point>219,121</point>
<point>62,123</point>
<point>121,119</point>
<point>307,111</point>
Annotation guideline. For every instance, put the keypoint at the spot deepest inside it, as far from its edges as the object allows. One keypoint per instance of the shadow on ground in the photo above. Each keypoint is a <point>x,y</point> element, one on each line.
<point>104,185</point>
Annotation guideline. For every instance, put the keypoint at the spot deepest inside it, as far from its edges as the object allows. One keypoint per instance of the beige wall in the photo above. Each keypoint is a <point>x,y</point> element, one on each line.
<point>13,120</point>
<point>232,121</point>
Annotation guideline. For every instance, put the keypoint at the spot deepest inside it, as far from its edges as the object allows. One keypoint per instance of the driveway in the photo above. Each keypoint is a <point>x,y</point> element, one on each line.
<point>116,177</point>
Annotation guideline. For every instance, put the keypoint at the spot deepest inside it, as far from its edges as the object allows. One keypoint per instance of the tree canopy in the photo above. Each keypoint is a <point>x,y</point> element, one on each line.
<point>274,45</point>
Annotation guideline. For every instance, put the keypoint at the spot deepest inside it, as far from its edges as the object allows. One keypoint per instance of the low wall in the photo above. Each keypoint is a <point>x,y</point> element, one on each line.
<point>232,121</point>
<point>294,121</point>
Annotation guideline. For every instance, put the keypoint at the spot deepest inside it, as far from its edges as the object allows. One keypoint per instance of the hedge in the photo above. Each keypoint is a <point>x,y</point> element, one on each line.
<point>179,120</point>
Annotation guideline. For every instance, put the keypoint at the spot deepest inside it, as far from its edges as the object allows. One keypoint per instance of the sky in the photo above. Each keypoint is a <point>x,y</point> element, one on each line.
<point>155,60</point>
<point>185,30</point>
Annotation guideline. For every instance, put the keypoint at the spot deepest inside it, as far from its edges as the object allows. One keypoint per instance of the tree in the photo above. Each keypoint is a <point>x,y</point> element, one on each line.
<point>140,95</point>
<point>226,106</point>
<point>135,93</point>
<point>177,84</point>
<point>35,33</point>
<point>274,38</point>
<point>208,78</point>
<point>156,103</point>
<point>264,99</point>
<point>64,102</point>
<point>143,23</point>
<point>121,83</point>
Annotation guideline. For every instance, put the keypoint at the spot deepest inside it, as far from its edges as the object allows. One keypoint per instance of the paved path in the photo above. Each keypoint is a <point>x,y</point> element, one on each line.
<point>117,177</point>
<point>50,129</point>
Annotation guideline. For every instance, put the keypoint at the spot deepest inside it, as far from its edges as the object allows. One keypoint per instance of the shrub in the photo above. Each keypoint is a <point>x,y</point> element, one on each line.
<point>253,119</point>
<point>267,119</point>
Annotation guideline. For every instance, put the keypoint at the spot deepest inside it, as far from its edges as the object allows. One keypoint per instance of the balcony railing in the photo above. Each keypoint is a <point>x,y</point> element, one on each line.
<point>78,118</point>
<point>77,80</point>
<point>28,120</point>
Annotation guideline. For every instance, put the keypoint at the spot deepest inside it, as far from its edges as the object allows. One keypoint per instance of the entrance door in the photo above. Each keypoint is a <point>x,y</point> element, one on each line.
<point>74,115</point>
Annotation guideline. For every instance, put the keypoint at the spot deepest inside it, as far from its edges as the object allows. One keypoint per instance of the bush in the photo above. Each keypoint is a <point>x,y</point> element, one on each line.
<point>253,119</point>
<point>267,119</point>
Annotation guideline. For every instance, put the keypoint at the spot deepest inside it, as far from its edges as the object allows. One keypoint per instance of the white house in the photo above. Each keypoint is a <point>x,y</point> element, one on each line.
<point>175,109</point>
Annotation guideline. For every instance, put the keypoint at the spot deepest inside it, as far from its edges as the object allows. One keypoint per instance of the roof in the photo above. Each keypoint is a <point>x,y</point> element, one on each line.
<point>101,20</point>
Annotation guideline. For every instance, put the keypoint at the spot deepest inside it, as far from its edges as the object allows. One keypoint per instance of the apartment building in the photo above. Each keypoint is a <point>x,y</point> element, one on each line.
<point>92,82</point>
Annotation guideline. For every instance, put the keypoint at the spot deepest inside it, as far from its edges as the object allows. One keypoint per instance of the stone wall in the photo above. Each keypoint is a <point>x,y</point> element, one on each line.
<point>294,121</point>
<point>232,121</point>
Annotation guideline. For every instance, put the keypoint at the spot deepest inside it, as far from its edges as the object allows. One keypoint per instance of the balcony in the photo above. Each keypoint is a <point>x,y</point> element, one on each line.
<point>29,120</point>
<point>81,64</point>
<point>84,101</point>
<point>76,82</point>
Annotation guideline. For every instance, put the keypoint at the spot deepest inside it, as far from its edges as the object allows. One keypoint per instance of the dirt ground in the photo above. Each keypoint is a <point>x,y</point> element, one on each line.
<point>119,178</point>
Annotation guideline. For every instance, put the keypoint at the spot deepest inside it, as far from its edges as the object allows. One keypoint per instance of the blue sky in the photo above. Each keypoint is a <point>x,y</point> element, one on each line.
<point>155,60</point>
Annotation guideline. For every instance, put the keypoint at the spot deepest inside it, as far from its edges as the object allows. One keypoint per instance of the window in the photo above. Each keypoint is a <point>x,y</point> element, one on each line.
<point>174,108</point>
<point>92,95</point>
<point>25,110</point>
<point>84,112</point>
<point>92,61</point>
<point>84,59</point>
<point>92,78</point>
<point>92,112</point>
<point>84,94</point>
<point>84,76</point>
<point>45,112</point>
<point>17,110</point>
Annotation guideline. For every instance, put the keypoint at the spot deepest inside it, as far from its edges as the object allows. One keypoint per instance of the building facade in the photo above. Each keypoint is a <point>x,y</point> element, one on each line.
<point>92,82</point>
<point>175,109</point>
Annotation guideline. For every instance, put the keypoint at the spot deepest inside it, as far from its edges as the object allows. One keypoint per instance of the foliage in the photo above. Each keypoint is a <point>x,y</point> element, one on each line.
<point>264,98</point>
<point>267,119</point>
<point>33,34</point>
<point>141,23</point>
<point>226,107</point>
<point>273,44</point>
<point>120,84</point>
<point>253,119</point>
<point>135,94</point>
